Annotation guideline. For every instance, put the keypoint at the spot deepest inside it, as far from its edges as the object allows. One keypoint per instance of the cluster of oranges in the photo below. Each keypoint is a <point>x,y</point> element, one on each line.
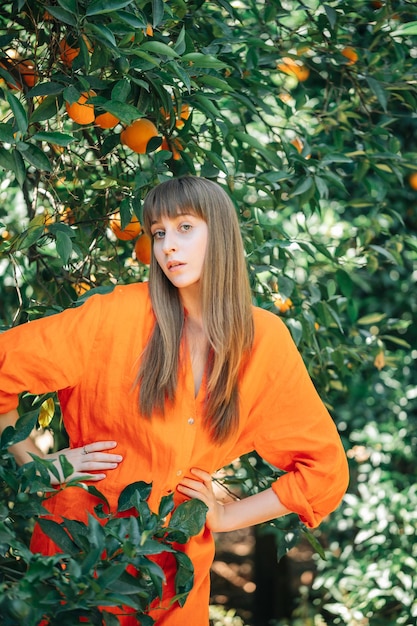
<point>133,230</point>
<point>135,136</point>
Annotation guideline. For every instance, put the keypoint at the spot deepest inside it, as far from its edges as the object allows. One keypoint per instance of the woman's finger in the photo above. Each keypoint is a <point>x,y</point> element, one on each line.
<point>97,446</point>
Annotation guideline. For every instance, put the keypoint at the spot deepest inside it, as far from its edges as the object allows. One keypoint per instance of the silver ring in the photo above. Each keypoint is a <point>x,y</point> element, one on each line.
<point>84,450</point>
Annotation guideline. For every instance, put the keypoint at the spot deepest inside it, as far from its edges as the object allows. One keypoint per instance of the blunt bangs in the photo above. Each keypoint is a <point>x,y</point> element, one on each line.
<point>177,196</point>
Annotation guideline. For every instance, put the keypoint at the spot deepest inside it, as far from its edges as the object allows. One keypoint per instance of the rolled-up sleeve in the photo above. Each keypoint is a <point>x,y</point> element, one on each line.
<point>48,354</point>
<point>295,432</point>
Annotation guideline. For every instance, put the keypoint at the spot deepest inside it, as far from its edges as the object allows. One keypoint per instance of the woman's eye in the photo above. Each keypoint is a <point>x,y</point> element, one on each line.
<point>158,234</point>
<point>185,227</point>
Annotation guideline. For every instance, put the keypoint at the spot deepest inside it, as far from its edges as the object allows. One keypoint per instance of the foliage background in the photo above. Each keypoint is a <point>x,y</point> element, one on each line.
<point>320,165</point>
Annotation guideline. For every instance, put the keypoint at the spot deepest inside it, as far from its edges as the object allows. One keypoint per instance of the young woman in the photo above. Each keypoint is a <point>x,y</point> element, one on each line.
<point>170,380</point>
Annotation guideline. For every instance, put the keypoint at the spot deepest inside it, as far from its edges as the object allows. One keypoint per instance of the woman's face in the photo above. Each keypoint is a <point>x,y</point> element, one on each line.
<point>179,247</point>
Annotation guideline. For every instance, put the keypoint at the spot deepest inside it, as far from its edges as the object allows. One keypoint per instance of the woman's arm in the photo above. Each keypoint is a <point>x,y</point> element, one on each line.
<point>261,507</point>
<point>89,458</point>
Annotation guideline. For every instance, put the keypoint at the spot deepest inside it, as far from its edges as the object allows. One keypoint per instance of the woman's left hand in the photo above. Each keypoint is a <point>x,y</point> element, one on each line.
<point>201,488</point>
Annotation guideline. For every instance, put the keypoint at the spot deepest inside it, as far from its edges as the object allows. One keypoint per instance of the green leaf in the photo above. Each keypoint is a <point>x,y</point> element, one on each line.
<point>62,15</point>
<point>379,91</point>
<point>331,15</point>
<point>35,156</point>
<point>198,59</point>
<point>6,133</point>
<point>157,47</point>
<point>6,159</point>
<point>105,35</point>
<point>147,57</point>
<point>345,283</point>
<point>60,139</point>
<point>218,84</point>
<point>18,112</point>
<point>135,21</point>
<point>313,541</point>
<point>67,468</point>
<point>46,89</point>
<point>58,535</point>
<point>121,91</point>
<point>63,246</point>
<point>405,30</point>
<point>184,578</point>
<point>24,426</point>
<point>180,45</point>
<point>397,340</point>
<point>166,505</point>
<point>189,517</point>
<point>45,110</point>
<point>216,160</point>
<point>111,574</point>
<point>371,318</point>
<point>207,106</point>
<point>34,231</point>
<point>126,113</point>
<point>140,488</point>
<point>296,330</point>
<point>99,7</point>
<point>158,8</point>
<point>302,186</point>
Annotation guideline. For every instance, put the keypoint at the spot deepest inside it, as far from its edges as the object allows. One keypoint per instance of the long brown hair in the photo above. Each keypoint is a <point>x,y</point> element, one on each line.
<point>226,304</point>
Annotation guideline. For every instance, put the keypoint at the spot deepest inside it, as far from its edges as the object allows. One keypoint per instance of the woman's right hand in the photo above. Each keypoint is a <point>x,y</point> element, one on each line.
<point>93,457</point>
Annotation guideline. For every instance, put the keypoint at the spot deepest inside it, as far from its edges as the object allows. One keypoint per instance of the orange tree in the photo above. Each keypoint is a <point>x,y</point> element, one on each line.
<point>304,111</point>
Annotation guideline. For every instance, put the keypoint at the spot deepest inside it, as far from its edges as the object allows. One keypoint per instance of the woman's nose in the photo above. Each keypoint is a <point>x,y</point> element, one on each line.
<point>169,242</point>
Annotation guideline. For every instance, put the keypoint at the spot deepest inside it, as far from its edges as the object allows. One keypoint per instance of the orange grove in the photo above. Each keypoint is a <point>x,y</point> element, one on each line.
<point>136,136</point>
<point>131,230</point>
<point>143,249</point>
<point>82,112</point>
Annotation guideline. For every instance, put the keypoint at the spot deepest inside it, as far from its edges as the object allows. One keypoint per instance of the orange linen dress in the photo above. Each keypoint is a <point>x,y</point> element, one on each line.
<point>90,355</point>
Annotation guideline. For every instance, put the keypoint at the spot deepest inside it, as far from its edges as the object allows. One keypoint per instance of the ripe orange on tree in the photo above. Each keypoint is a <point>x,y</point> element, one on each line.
<point>181,118</point>
<point>143,249</point>
<point>282,304</point>
<point>138,134</point>
<point>131,230</point>
<point>27,70</point>
<point>24,71</point>
<point>298,144</point>
<point>294,67</point>
<point>107,120</point>
<point>412,181</point>
<point>172,145</point>
<point>82,112</point>
<point>81,288</point>
<point>69,51</point>
<point>350,53</point>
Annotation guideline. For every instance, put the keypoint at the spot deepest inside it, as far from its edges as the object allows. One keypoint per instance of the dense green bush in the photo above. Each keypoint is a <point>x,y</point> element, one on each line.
<point>104,563</point>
